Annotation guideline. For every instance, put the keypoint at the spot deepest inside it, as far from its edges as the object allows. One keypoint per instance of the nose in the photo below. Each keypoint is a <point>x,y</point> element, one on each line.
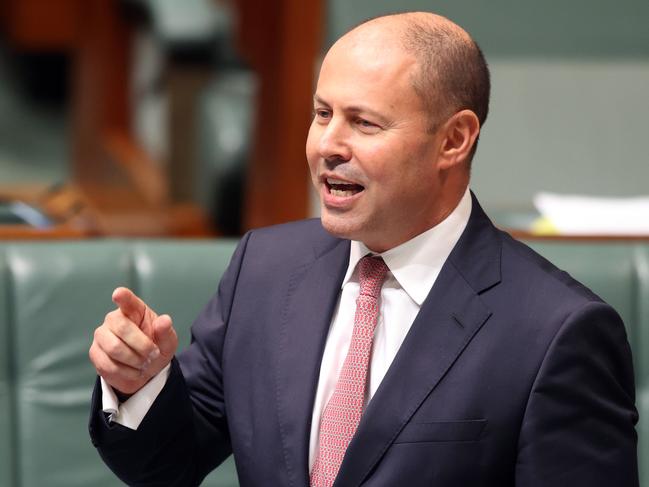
<point>334,143</point>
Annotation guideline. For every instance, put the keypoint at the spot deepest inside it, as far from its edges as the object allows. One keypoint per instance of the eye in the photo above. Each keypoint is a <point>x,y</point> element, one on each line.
<point>322,113</point>
<point>366,126</point>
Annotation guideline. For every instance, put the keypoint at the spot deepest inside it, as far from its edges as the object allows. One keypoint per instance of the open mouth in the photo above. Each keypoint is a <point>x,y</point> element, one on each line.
<point>343,189</point>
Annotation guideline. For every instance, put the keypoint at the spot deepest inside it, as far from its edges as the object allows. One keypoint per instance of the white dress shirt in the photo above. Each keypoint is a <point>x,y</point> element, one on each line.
<point>414,267</point>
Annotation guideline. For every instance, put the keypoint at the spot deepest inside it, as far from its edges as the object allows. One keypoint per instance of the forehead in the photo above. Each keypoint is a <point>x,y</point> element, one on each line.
<point>367,66</point>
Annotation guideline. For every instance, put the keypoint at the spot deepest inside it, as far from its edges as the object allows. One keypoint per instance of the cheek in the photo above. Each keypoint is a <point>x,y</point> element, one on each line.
<point>311,155</point>
<point>402,176</point>
<point>387,164</point>
<point>311,150</point>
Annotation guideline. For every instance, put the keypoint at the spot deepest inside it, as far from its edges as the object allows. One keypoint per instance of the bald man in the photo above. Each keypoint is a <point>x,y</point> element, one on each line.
<point>400,339</point>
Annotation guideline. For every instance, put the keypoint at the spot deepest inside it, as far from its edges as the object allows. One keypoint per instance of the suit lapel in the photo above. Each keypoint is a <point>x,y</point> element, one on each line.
<point>450,316</point>
<point>313,293</point>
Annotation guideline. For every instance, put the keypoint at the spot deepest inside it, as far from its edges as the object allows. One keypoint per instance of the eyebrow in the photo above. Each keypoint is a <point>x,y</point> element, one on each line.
<point>354,109</point>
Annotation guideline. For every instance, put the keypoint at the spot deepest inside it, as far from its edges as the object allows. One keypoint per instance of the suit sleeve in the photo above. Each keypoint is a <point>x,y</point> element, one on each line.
<point>579,424</point>
<point>184,435</point>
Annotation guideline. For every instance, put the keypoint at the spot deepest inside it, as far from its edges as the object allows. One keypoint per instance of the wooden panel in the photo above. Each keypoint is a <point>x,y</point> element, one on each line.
<point>185,83</point>
<point>63,205</point>
<point>125,189</point>
<point>145,175</point>
<point>42,24</point>
<point>281,40</point>
<point>100,86</point>
<point>25,232</point>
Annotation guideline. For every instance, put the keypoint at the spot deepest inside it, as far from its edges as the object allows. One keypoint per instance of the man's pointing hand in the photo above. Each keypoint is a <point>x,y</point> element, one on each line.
<point>133,344</point>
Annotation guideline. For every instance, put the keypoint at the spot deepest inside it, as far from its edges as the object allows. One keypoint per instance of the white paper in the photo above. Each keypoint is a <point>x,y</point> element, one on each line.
<point>589,215</point>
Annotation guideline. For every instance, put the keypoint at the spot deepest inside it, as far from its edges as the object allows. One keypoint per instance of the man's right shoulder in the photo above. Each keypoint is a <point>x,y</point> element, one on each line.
<point>293,240</point>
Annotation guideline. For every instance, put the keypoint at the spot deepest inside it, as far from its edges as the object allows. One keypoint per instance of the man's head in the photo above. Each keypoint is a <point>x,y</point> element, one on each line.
<point>452,72</point>
<point>395,126</point>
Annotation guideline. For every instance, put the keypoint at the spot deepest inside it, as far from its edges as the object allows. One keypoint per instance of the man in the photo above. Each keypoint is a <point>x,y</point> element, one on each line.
<point>457,357</point>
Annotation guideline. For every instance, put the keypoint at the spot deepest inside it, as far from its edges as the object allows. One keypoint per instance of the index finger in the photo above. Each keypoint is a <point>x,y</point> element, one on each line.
<point>130,305</point>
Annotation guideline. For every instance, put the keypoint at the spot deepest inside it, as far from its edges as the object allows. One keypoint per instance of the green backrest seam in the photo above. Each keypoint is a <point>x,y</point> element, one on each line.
<point>14,413</point>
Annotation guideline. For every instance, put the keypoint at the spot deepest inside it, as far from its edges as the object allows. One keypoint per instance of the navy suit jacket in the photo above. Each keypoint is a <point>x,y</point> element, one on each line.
<point>513,374</point>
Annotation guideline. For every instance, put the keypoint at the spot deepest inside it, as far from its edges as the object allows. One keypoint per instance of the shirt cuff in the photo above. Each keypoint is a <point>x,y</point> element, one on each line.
<point>132,411</point>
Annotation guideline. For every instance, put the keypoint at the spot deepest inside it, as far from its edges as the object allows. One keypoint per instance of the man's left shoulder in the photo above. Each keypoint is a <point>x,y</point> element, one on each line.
<point>537,288</point>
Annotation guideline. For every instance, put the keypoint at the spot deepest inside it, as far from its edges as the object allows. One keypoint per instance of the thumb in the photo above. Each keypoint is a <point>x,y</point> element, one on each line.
<point>165,336</point>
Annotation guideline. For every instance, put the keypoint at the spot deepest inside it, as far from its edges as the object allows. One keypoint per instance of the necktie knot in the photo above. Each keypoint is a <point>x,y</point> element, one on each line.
<point>372,272</point>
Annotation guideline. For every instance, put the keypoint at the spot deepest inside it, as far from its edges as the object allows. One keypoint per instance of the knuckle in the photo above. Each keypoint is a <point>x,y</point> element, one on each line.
<point>101,369</point>
<point>147,345</point>
<point>114,348</point>
<point>91,353</point>
<point>106,368</point>
<point>111,369</point>
<point>120,327</point>
<point>97,333</point>
<point>114,315</point>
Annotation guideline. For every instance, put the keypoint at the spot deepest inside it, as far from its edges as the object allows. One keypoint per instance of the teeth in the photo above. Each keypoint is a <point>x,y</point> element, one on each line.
<point>337,181</point>
<point>341,192</point>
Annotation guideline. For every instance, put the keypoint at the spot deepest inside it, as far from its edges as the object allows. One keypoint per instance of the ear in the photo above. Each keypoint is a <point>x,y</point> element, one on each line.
<point>459,135</point>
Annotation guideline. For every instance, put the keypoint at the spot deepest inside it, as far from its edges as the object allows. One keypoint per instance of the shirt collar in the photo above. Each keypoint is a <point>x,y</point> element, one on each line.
<point>415,264</point>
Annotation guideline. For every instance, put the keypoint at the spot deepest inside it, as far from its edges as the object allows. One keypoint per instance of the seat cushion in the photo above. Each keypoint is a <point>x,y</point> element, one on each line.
<point>180,284</point>
<point>60,292</point>
<point>6,405</point>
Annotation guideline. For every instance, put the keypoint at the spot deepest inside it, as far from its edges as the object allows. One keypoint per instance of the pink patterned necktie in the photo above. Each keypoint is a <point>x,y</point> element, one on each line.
<point>342,414</point>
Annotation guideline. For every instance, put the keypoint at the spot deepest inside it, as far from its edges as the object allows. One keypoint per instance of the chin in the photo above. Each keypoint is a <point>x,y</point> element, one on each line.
<point>341,226</point>
<point>354,229</point>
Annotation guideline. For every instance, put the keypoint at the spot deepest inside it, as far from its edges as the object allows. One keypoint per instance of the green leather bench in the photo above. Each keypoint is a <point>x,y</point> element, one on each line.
<point>53,295</point>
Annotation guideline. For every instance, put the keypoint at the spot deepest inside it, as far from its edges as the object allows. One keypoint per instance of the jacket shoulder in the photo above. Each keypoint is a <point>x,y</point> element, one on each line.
<point>293,242</point>
<point>523,265</point>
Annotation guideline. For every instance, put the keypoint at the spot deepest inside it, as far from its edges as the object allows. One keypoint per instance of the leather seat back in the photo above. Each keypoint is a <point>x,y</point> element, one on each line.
<point>7,457</point>
<point>158,266</point>
<point>59,293</point>
<point>53,295</point>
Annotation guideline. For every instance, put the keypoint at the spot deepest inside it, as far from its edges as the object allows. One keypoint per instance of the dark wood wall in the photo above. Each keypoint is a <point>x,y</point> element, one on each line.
<point>128,191</point>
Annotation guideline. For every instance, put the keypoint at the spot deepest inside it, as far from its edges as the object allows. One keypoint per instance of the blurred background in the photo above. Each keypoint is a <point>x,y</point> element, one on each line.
<point>170,118</point>
<point>136,117</point>
<point>188,118</point>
